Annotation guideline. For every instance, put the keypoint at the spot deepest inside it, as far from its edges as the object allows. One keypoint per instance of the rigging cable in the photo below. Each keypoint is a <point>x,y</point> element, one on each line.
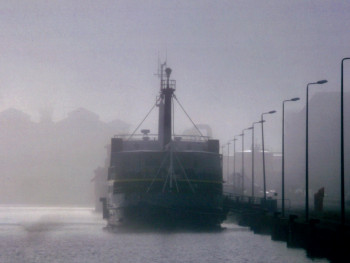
<point>143,120</point>
<point>183,170</point>
<point>188,116</point>
<point>159,169</point>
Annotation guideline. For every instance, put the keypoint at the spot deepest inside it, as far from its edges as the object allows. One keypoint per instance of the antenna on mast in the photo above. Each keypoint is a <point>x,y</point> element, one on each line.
<point>158,63</point>
<point>166,55</point>
<point>160,70</point>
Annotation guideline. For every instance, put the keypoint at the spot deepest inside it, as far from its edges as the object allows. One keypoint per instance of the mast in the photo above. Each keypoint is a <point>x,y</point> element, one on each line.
<point>167,93</point>
<point>161,106</point>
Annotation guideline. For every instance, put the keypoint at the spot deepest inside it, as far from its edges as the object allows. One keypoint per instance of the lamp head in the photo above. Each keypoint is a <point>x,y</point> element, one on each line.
<point>295,99</point>
<point>258,122</point>
<point>271,112</point>
<point>322,81</point>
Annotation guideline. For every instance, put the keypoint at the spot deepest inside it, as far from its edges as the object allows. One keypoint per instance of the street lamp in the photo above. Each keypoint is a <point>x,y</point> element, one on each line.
<point>342,169</point>
<point>293,99</point>
<point>228,160</point>
<point>263,147</point>
<point>253,153</point>
<point>234,163</point>
<point>307,149</point>
<point>223,157</point>
<point>243,157</point>
<point>242,166</point>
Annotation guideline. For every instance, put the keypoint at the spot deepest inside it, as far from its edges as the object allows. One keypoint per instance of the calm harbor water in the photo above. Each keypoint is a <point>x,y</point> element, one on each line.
<point>32,234</point>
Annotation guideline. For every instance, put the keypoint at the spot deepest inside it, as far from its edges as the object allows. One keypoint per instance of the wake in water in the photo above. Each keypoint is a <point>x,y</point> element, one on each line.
<point>44,224</point>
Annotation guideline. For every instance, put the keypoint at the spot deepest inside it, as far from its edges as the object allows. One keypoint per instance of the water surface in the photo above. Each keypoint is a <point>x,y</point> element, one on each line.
<point>32,234</point>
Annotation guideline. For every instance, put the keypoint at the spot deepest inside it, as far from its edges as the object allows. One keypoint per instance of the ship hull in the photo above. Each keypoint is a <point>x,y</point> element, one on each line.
<point>167,209</point>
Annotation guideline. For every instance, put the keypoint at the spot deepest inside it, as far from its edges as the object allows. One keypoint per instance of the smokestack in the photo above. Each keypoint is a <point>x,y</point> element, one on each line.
<point>168,94</point>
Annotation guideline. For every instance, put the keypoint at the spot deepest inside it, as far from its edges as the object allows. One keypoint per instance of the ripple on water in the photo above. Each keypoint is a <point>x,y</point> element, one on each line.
<point>76,235</point>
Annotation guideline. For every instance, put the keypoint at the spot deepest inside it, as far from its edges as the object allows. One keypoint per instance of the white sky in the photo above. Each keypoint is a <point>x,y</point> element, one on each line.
<point>232,60</point>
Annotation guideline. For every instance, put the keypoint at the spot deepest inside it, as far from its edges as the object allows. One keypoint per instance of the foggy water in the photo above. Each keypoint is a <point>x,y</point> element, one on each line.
<point>78,235</point>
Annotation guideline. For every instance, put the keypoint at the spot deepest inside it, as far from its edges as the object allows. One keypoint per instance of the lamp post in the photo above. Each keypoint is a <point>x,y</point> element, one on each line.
<point>222,152</point>
<point>293,99</point>
<point>307,149</point>
<point>243,157</point>
<point>228,160</point>
<point>342,169</point>
<point>234,163</point>
<point>253,153</point>
<point>242,166</point>
<point>263,148</point>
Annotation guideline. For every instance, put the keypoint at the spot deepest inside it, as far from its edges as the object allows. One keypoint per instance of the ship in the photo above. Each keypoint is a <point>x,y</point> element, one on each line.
<point>164,178</point>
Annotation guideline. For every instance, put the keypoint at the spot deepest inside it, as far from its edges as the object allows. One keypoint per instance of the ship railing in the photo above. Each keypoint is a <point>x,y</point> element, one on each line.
<point>246,201</point>
<point>154,137</point>
<point>244,198</point>
<point>172,84</point>
<point>137,137</point>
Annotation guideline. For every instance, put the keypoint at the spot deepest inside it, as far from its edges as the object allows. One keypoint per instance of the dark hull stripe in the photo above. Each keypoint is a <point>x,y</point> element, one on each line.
<point>162,180</point>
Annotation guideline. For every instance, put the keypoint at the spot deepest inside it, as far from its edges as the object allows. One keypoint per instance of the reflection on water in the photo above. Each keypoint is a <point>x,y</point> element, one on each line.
<point>79,235</point>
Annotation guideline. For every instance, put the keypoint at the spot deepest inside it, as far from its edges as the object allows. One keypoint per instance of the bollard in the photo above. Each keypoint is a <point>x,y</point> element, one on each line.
<point>105,212</point>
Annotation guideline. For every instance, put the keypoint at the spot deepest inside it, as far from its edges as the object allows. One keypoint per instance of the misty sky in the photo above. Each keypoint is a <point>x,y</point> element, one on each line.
<point>232,60</point>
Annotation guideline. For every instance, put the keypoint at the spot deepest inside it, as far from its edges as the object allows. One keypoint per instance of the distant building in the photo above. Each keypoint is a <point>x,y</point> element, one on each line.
<point>272,171</point>
<point>52,163</point>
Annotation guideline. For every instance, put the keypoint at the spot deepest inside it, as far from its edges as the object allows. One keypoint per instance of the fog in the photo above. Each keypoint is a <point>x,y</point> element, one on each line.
<point>324,154</point>
<point>52,163</point>
<point>232,61</point>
